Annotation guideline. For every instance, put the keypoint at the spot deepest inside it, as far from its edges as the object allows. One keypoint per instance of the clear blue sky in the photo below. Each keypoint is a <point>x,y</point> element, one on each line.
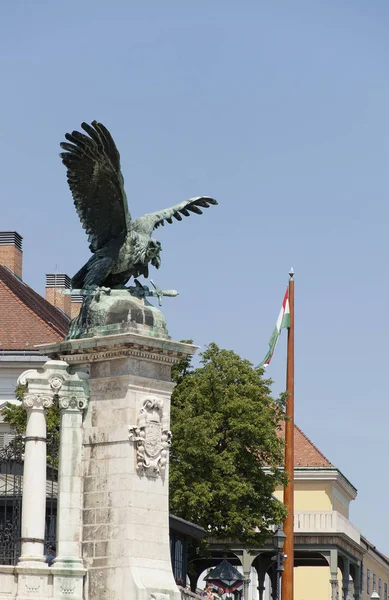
<point>277,109</point>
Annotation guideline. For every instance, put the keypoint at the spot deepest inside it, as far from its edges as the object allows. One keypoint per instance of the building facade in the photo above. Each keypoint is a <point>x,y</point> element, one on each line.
<point>27,319</point>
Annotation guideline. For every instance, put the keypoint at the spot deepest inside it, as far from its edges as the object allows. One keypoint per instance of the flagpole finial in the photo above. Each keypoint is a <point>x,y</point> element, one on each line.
<point>291,272</point>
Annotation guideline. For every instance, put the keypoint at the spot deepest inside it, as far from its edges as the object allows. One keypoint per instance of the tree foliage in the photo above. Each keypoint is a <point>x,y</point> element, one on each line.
<point>16,416</point>
<point>225,458</point>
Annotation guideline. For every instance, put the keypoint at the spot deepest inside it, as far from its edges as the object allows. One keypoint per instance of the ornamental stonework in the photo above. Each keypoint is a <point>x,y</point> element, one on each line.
<point>54,383</point>
<point>152,438</point>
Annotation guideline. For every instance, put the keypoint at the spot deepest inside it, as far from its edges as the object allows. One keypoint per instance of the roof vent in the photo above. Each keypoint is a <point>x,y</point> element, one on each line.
<point>11,254</point>
<point>11,238</point>
<point>56,283</point>
<point>58,280</point>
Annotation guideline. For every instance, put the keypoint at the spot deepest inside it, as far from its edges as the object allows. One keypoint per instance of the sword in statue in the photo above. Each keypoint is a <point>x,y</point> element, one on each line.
<point>138,290</point>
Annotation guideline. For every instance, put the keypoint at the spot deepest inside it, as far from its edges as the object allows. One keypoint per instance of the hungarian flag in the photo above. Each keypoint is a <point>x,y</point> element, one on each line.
<point>282,322</point>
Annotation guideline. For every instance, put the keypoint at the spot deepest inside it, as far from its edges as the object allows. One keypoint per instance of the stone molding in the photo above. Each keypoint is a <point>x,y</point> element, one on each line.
<point>54,382</point>
<point>37,401</point>
<point>75,402</point>
<point>338,540</point>
<point>151,437</point>
<point>108,347</point>
<point>139,383</point>
<point>121,353</point>
<point>326,474</point>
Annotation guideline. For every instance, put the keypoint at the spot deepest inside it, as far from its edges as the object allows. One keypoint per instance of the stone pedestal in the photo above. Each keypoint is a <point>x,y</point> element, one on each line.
<point>125,463</point>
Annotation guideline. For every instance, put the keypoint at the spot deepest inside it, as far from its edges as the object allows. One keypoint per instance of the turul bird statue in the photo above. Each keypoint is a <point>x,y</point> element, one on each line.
<point>120,247</point>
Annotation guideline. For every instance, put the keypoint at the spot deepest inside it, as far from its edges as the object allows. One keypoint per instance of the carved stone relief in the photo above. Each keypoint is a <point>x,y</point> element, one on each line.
<point>31,585</point>
<point>67,586</point>
<point>152,438</point>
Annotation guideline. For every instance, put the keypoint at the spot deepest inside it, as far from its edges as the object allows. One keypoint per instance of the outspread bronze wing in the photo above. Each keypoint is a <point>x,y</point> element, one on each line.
<point>96,182</point>
<point>154,220</point>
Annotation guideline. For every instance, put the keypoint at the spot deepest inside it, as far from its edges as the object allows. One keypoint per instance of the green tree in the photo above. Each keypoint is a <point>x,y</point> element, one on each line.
<point>225,458</point>
<point>16,416</point>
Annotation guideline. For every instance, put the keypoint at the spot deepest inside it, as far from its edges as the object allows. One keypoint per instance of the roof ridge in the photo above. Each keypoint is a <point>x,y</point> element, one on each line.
<point>374,548</point>
<point>312,444</point>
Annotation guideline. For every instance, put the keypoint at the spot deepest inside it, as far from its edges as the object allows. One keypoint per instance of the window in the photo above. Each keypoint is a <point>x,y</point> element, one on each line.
<point>374,582</point>
<point>368,581</point>
<point>362,576</point>
<point>5,438</point>
<point>178,558</point>
<point>385,591</point>
<point>380,587</point>
<point>178,552</point>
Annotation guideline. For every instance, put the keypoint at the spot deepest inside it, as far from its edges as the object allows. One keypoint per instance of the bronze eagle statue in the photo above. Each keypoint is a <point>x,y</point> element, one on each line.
<point>120,247</point>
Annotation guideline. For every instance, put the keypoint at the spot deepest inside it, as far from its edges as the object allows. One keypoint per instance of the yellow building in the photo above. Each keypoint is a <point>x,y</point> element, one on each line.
<point>332,558</point>
<point>333,561</point>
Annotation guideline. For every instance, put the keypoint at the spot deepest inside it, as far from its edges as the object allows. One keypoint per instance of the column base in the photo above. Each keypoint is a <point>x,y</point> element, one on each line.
<point>32,561</point>
<point>68,563</point>
<point>68,581</point>
<point>34,579</point>
<point>136,583</point>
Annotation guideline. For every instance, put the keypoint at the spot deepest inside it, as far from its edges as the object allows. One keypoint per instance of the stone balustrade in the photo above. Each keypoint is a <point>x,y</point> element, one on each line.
<point>324,521</point>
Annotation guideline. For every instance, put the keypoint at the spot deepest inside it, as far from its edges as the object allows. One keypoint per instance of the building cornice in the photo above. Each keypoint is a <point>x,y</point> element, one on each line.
<point>331,474</point>
<point>108,347</point>
<point>326,474</point>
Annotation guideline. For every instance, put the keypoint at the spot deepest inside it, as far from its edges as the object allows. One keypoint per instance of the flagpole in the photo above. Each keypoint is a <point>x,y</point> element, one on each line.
<point>287,576</point>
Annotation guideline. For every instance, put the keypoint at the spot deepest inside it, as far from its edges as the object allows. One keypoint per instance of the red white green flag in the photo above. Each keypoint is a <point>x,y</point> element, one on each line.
<point>283,321</point>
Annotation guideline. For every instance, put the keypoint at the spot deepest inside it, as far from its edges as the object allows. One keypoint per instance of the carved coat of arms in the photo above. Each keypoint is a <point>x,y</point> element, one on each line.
<point>152,438</point>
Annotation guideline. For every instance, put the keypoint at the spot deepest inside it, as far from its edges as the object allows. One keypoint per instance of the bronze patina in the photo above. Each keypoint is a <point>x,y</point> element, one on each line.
<point>121,247</point>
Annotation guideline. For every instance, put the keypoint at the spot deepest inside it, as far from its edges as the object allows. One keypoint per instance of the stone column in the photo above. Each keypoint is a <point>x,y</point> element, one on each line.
<point>38,396</point>
<point>334,574</point>
<point>68,569</point>
<point>357,582</point>
<point>246,563</point>
<point>246,585</point>
<point>345,578</point>
<point>41,389</point>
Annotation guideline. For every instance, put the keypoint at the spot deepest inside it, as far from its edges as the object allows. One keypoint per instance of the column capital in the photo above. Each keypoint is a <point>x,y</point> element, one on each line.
<point>54,382</point>
<point>31,401</point>
<point>74,393</point>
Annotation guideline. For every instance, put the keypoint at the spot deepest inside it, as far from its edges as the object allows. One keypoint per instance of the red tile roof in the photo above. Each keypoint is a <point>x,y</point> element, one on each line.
<point>306,454</point>
<point>26,319</point>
